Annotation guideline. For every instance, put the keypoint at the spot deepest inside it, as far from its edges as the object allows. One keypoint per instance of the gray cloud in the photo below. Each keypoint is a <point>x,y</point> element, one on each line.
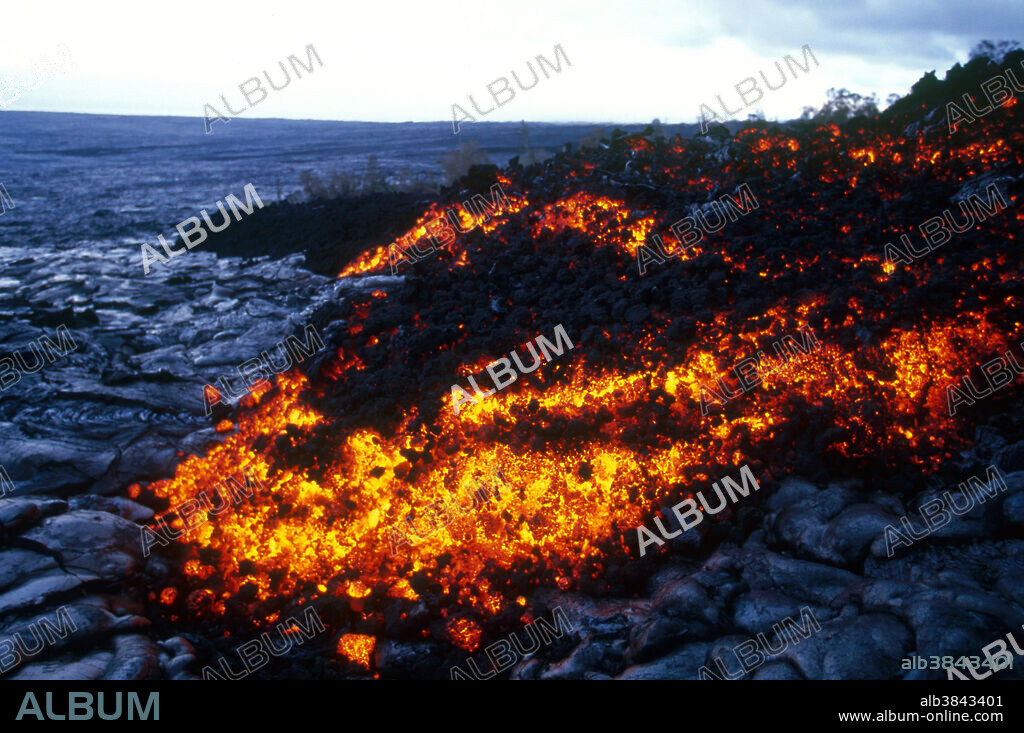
<point>925,32</point>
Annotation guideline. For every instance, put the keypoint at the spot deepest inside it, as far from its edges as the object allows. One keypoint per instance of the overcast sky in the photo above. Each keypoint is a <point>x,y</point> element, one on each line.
<point>412,59</point>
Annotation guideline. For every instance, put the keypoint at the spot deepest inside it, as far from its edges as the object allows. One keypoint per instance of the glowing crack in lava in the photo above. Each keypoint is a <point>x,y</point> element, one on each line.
<point>579,478</point>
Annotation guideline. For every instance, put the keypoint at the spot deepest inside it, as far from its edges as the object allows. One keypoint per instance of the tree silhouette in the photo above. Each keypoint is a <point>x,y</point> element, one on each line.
<point>842,105</point>
<point>994,50</point>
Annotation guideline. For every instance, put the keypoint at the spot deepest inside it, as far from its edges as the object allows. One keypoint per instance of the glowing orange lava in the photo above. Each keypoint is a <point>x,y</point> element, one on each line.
<point>323,527</point>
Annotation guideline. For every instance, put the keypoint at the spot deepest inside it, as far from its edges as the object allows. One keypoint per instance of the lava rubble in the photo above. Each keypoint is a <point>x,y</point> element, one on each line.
<point>599,443</point>
<point>844,440</point>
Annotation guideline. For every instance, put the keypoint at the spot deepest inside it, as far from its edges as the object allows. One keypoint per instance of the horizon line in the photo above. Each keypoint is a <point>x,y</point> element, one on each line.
<point>372,122</point>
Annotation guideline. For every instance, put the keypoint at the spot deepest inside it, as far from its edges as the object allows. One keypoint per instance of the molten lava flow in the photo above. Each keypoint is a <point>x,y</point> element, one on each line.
<point>338,525</point>
<point>357,648</point>
<point>590,445</point>
<point>430,224</point>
